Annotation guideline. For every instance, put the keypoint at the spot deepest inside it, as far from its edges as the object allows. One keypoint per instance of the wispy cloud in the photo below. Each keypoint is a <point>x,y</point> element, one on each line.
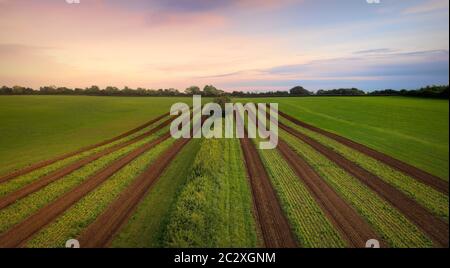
<point>374,51</point>
<point>428,6</point>
<point>385,66</point>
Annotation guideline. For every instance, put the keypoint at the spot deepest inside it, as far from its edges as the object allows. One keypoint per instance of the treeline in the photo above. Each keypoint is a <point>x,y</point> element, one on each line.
<point>426,92</point>
<point>211,91</point>
<point>208,90</point>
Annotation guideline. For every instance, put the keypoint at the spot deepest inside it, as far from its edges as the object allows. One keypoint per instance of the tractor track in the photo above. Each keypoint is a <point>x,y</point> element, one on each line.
<point>38,165</point>
<point>418,174</point>
<point>58,174</point>
<point>434,227</point>
<point>21,232</point>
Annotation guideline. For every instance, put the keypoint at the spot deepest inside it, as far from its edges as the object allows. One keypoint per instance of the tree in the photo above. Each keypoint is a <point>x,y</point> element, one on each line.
<point>210,90</point>
<point>299,91</point>
<point>93,90</point>
<point>341,92</point>
<point>6,90</point>
<point>111,91</point>
<point>193,90</point>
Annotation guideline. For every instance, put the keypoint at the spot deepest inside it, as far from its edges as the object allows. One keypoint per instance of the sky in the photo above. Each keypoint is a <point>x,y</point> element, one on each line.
<point>249,45</point>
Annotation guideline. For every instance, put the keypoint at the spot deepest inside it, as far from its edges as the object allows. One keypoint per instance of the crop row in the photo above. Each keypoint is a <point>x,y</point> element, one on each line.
<point>147,224</point>
<point>26,206</point>
<point>214,209</point>
<point>20,181</point>
<point>307,220</point>
<point>431,199</point>
<point>74,220</point>
<point>388,222</point>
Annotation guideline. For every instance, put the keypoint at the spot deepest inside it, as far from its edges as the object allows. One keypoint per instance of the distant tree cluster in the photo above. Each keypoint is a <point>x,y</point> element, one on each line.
<point>341,92</point>
<point>300,91</point>
<point>208,91</point>
<point>260,94</point>
<point>211,91</point>
<point>425,92</point>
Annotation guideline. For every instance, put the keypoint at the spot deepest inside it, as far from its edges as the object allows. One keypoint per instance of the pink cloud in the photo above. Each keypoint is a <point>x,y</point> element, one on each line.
<point>202,19</point>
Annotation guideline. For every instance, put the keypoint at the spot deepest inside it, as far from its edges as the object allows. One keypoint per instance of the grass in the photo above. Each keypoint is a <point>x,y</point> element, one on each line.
<point>411,129</point>
<point>24,207</point>
<point>146,226</point>
<point>434,201</point>
<point>34,128</point>
<point>389,223</point>
<point>84,212</point>
<point>309,223</point>
<point>214,209</point>
<point>25,179</point>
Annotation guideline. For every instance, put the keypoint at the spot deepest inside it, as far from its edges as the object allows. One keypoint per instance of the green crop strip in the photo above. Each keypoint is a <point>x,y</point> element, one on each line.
<point>389,223</point>
<point>431,199</point>
<point>145,227</point>
<point>214,209</point>
<point>307,219</point>
<point>17,183</point>
<point>84,212</point>
<point>21,209</point>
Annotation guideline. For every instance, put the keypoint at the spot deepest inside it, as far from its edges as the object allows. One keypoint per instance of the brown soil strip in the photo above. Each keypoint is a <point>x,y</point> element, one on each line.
<point>100,233</point>
<point>33,167</point>
<point>20,233</point>
<point>57,174</point>
<point>412,171</point>
<point>275,227</point>
<point>434,227</point>
<point>352,227</point>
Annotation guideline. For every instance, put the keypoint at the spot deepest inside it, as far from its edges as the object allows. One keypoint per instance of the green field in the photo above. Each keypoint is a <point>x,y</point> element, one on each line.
<point>34,128</point>
<point>414,130</point>
<point>203,197</point>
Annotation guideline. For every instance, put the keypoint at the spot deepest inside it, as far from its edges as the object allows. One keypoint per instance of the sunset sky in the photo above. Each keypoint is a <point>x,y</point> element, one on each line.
<point>233,44</point>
